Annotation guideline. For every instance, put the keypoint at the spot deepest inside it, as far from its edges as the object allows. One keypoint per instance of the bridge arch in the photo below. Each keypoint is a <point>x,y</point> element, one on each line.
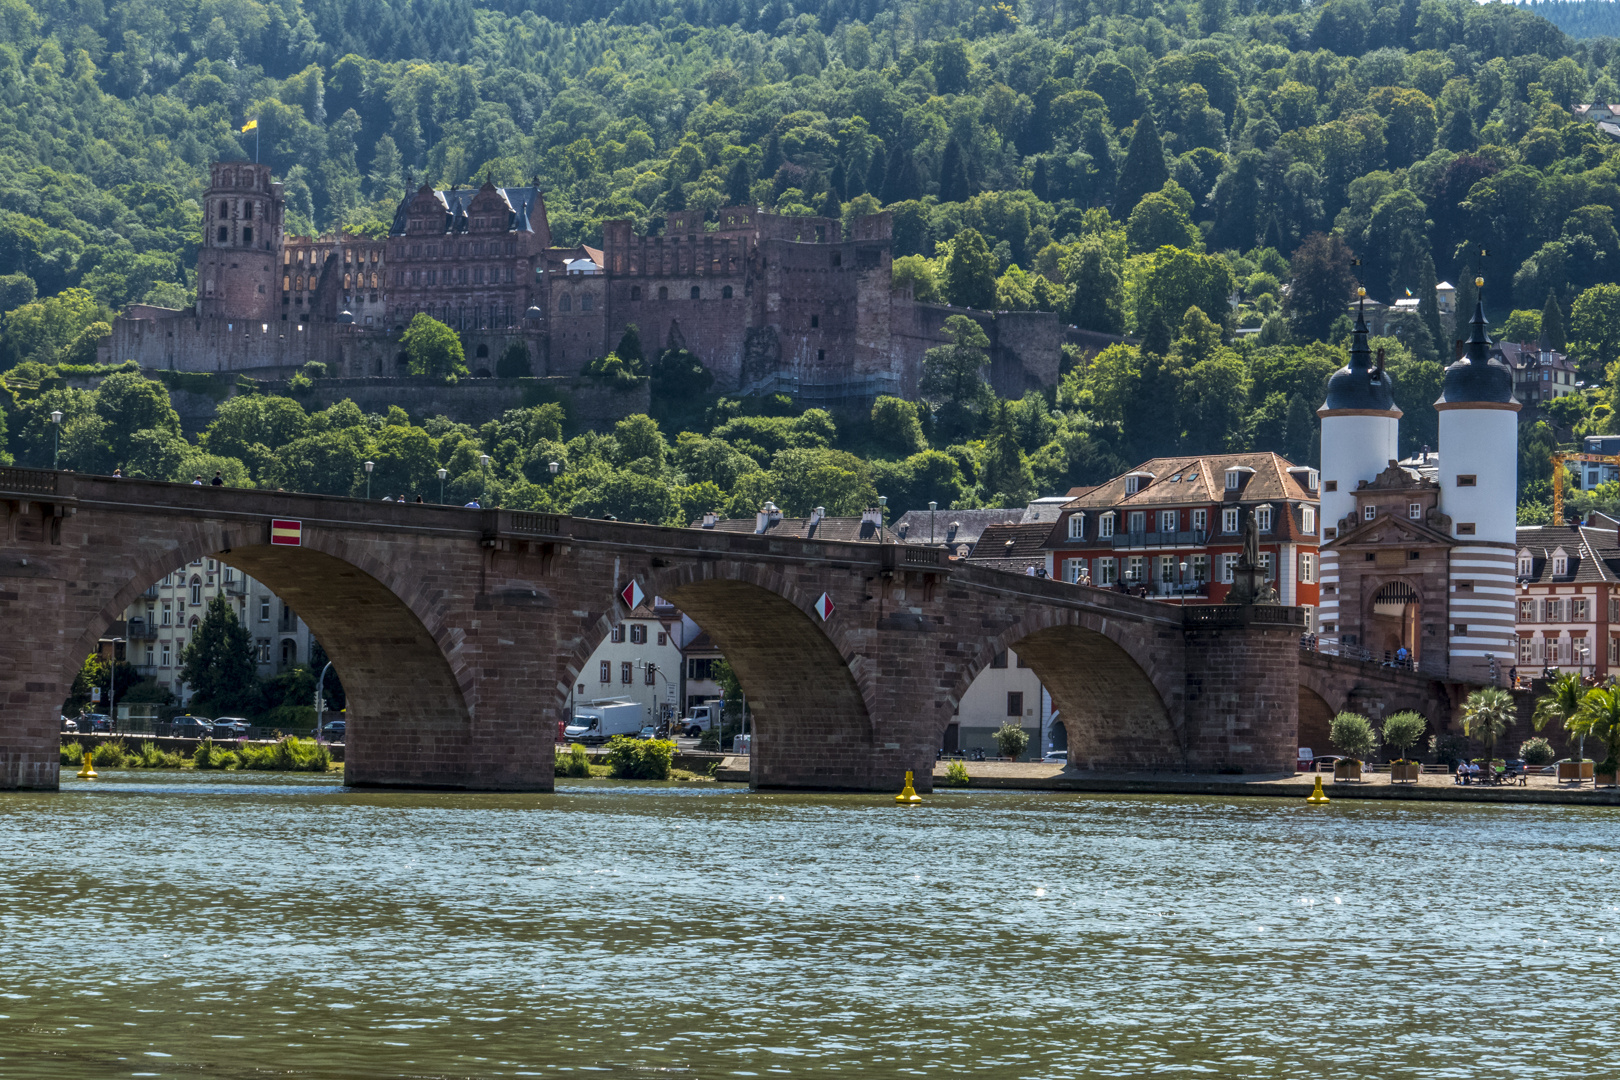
<point>812,708</point>
<point>1119,706</point>
<point>409,695</point>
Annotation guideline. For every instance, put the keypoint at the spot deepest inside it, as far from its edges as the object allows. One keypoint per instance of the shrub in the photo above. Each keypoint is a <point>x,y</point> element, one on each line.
<point>1354,735</point>
<point>573,762</point>
<point>226,759</point>
<point>72,754</point>
<point>640,759</point>
<point>956,774</point>
<point>1402,732</point>
<point>110,755</point>
<point>709,740</point>
<point>289,754</point>
<point>1448,749</point>
<point>1011,739</point>
<point>206,756</point>
<point>1537,751</point>
<point>150,757</point>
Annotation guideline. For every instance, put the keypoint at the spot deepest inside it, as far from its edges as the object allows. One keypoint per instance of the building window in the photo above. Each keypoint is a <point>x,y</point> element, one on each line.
<point>638,634</point>
<point>1105,525</point>
<point>1229,520</point>
<point>1168,520</point>
<point>663,638</point>
<point>725,293</point>
<point>165,654</point>
<point>1077,526</point>
<point>617,635</point>
<point>1167,568</point>
<point>1307,515</point>
<point>1527,650</point>
<point>1465,528</point>
<point>652,674</point>
<point>815,322</point>
<point>1262,518</point>
<point>1467,481</point>
<point>264,609</point>
<point>586,302</point>
<point>1369,512</point>
<point>1614,610</point>
<point>1524,567</point>
<point>1265,566</point>
<point>1554,611</point>
<point>1560,565</point>
<point>663,292</point>
<point>1577,610</point>
<point>1228,564</point>
<point>1134,567</point>
<point>1459,630</point>
<point>1138,520</point>
<point>625,672</point>
<point>700,669</point>
<point>168,614</point>
<point>1071,569</point>
<point>1583,656</point>
<point>606,673</point>
<point>697,293</point>
<point>1015,703</point>
<point>1307,567</point>
<point>1200,519</point>
<point>1527,610</point>
<point>196,590</point>
<point>1106,571</point>
<point>264,650</point>
<point>1414,511</point>
<point>565,303</point>
<point>999,660</point>
<point>1200,567</point>
<point>1330,485</point>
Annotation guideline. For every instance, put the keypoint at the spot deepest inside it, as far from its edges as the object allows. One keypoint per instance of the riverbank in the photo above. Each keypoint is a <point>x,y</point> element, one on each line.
<point>1432,787</point>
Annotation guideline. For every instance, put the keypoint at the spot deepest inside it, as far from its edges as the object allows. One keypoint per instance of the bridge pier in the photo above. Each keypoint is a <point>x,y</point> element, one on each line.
<point>1242,700</point>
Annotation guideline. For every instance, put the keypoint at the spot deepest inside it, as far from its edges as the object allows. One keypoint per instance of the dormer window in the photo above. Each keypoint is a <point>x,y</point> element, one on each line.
<point>1369,512</point>
<point>1525,564</point>
<point>1105,525</point>
<point>1414,511</point>
<point>1262,518</point>
<point>1236,475</point>
<point>1077,526</point>
<point>1560,563</point>
<point>1135,482</point>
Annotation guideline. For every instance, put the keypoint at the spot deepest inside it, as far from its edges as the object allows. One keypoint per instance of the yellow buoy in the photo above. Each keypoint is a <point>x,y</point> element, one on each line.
<point>1317,795</point>
<point>908,795</point>
<point>86,772</point>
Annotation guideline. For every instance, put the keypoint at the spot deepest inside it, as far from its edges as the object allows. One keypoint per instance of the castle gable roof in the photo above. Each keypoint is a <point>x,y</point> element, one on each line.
<point>1390,530</point>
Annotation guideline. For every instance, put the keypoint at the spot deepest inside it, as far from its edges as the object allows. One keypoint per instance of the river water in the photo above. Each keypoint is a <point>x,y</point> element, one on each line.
<point>177,925</point>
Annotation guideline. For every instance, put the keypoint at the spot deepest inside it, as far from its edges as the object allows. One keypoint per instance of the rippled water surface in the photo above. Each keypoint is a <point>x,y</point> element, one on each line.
<point>180,925</point>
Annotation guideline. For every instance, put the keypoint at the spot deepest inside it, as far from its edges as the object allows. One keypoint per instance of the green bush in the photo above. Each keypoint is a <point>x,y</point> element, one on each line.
<point>1402,732</point>
<point>709,740</point>
<point>640,759</point>
<point>150,757</point>
<point>110,755</point>
<point>1448,749</point>
<point>1353,734</point>
<point>573,762</point>
<point>72,754</point>
<point>1537,751</point>
<point>1011,739</point>
<point>956,774</point>
<point>287,755</point>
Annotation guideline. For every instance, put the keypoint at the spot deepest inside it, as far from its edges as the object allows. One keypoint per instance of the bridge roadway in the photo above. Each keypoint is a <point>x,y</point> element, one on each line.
<point>458,633</point>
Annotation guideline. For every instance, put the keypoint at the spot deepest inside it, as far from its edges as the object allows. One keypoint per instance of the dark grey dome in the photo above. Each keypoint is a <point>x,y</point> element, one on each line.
<point>1359,385</point>
<point>1477,378</point>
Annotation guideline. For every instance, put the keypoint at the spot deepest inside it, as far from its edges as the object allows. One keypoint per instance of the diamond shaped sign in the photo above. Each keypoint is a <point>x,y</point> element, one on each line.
<point>824,607</point>
<point>632,595</point>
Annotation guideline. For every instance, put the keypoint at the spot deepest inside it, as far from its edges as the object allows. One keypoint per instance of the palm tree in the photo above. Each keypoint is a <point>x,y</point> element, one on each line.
<point>1486,715</point>
<point>1560,704</point>
<point>1599,714</point>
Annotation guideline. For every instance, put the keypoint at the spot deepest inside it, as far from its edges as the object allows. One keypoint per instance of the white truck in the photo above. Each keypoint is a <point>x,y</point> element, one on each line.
<point>701,718</point>
<point>602,719</point>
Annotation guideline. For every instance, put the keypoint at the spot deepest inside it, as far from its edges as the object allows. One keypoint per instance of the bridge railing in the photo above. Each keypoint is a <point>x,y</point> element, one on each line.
<point>1240,614</point>
<point>29,481</point>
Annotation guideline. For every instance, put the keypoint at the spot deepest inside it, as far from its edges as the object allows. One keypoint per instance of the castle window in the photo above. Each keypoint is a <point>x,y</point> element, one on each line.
<point>663,292</point>
<point>247,234</point>
<point>478,275</point>
<point>725,293</point>
<point>1466,480</point>
<point>224,234</point>
<point>635,292</point>
<point>815,321</point>
<point>286,284</point>
<point>1368,513</point>
<point>585,302</point>
<point>1414,511</point>
<point>838,259</point>
<point>1465,528</point>
<point>566,303</point>
<point>696,292</point>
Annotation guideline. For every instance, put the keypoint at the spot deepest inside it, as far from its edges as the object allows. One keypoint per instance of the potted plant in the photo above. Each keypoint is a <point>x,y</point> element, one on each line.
<point>1402,732</point>
<point>1354,735</point>
<point>1536,752</point>
<point>1560,703</point>
<point>1011,740</point>
<point>1599,715</point>
<point>1486,715</point>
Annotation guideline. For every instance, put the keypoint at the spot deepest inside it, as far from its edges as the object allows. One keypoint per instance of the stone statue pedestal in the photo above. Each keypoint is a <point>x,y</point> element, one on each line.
<point>1248,586</point>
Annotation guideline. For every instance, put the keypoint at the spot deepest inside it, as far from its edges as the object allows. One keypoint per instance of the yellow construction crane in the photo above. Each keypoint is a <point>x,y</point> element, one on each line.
<point>1558,460</point>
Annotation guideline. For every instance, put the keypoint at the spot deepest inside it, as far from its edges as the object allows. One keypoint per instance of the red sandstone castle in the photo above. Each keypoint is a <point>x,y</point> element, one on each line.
<point>768,303</point>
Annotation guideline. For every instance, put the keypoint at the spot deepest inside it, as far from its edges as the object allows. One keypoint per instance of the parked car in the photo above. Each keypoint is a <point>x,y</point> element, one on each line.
<point>1306,760</point>
<point>231,727</point>
<point>192,727</point>
<point>1325,763</point>
<point>95,722</point>
<point>648,732</point>
<point>1057,755</point>
<point>335,730</point>
<point>70,725</point>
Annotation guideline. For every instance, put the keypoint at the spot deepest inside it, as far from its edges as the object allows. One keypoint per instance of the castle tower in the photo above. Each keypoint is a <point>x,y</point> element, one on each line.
<point>240,257</point>
<point>1479,481</point>
<point>1360,434</point>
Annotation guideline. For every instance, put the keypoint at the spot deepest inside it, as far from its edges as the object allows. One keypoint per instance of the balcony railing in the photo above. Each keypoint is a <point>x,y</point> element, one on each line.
<point>1182,538</point>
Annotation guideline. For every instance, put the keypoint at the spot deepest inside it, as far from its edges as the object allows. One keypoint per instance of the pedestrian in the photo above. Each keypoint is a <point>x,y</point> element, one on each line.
<point>218,480</point>
<point>1029,571</point>
<point>118,474</point>
<point>473,505</point>
<point>419,498</point>
<point>196,481</point>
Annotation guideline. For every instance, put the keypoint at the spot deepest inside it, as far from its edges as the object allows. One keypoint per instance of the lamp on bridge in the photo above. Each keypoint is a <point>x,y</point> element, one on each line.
<point>442,474</point>
<point>554,467</point>
<point>369,466</point>
<point>1184,583</point>
<point>932,506</point>
<point>56,452</point>
<point>483,465</point>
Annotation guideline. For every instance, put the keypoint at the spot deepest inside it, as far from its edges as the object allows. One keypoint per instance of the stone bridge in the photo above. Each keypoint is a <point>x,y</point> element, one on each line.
<point>458,632</point>
<point>1333,684</point>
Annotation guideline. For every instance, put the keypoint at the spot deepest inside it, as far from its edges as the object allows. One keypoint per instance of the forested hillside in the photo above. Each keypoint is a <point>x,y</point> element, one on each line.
<point>1122,164</point>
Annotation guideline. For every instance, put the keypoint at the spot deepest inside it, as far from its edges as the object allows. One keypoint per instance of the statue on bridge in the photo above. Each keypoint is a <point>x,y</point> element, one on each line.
<point>1249,585</point>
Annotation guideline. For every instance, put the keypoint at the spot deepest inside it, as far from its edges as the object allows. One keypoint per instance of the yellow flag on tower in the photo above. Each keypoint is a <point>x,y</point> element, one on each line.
<point>250,125</point>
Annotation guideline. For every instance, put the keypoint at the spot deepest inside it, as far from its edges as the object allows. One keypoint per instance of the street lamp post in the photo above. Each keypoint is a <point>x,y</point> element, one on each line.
<point>56,452</point>
<point>1184,583</point>
<point>554,467</point>
<point>483,467</point>
<point>112,685</point>
<point>369,466</point>
<point>442,474</point>
<point>883,504</point>
<point>932,506</point>
<point>320,701</point>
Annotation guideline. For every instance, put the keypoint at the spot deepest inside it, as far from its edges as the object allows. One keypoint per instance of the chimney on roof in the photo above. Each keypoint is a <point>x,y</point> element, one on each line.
<point>816,515</point>
<point>710,518</point>
<point>872,515</point>
<point>768,515</point>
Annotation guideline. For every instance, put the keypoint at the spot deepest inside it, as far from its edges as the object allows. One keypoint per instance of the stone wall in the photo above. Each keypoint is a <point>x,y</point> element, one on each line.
<point>591,403</point>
